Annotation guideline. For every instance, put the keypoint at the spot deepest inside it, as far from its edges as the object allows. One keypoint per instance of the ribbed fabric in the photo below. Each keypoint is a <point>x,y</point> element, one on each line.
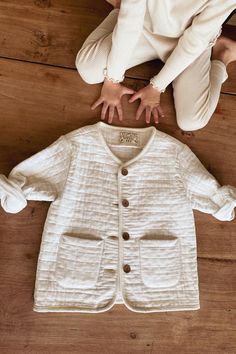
<point>103,181</point>
<point>196,89</point>
<point>196,25</point>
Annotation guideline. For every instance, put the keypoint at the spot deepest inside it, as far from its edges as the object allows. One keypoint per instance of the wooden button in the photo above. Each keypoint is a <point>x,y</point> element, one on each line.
<point>125,203</point>
<point>126,268</point>
<point>124,171</point>
<point>125,235</point>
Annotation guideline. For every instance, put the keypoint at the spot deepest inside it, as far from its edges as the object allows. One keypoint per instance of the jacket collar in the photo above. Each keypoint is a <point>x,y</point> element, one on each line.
<point>101,126</point>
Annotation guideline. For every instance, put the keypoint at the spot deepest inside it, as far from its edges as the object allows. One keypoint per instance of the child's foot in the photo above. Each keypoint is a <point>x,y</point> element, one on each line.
<point>114,3</point>
<point>224,50</point>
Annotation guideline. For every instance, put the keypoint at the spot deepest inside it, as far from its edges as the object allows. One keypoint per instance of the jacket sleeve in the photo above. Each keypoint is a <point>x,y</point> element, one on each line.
<point>125,37</point>
<point>40,177</point>
<point>203,190</point>
<point>202,33</point>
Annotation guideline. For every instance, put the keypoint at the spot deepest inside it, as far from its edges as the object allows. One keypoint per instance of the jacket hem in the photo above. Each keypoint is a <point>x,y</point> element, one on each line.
<point>79,310</point>
<point>188,308</point>
<point>68,309</point>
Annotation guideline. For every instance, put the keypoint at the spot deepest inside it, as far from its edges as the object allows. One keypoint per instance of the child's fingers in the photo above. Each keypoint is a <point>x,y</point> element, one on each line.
<point>134,97</point>
<point>148,114</point>
<point>111,113</point>
<point>104,110</point>
<point>160,111</point>
<point>139,111</point>
<point>128,91</point>
<point>120,112</point>
<point>97,103</point>
<point>155,115</point>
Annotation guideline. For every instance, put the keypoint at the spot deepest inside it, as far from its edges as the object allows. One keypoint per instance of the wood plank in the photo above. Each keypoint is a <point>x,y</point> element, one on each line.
<point>52,32</point>
<point>46,31</point>
<point>117,331</point>
<point>39,103</point>
<point>43,102</point>
<point>232,20</point>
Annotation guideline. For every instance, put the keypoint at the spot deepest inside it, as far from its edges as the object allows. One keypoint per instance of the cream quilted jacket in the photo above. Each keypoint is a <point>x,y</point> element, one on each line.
<point>120,228</point>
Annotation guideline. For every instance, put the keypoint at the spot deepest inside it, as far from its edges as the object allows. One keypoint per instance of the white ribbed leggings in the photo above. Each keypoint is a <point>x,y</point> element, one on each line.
<point>196,90</point>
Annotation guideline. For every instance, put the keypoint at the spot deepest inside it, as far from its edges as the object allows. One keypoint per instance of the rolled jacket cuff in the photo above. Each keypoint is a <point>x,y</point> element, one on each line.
<point>11,195</point>
<point>225,198</point>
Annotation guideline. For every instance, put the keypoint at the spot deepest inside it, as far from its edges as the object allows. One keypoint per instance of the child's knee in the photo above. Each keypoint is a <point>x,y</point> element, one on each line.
<point>86,70</point>
<point>191,123</point>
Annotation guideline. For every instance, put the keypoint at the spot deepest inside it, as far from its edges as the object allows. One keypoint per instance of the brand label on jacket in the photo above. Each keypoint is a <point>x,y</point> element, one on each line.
<point>130,138</point>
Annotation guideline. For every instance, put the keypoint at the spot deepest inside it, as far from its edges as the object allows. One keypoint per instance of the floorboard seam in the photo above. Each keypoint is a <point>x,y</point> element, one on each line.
<point>74,69</point>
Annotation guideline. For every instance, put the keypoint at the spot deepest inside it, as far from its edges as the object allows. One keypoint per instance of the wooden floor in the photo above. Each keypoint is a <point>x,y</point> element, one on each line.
<point>42,97</point>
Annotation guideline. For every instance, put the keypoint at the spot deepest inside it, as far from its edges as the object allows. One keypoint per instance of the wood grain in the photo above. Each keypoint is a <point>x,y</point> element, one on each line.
<point>41,100</point>
<point>51,32</point>
<point>232,20</point>
<point>208,330</point>
<point>48,31</point>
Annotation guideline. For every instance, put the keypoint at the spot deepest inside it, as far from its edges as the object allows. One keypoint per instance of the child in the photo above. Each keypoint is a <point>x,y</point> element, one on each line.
<point>180,33</point>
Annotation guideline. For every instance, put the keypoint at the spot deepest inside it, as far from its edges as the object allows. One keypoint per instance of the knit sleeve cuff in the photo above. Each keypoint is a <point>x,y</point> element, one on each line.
<point>225,198</point>
<point>156,86</point>
<point>11,195</point>
<point>214,39</point>
<point>112,78</point>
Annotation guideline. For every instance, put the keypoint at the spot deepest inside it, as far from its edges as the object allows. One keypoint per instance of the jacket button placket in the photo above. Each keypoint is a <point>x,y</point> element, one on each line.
<point>125,236</point>
<point>126,268</point>
<point>125,203</point>
<point>124,171</point>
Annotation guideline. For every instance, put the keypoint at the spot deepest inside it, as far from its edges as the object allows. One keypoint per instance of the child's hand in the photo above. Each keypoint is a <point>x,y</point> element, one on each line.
<point>150,101</point>
<point>111,95</point>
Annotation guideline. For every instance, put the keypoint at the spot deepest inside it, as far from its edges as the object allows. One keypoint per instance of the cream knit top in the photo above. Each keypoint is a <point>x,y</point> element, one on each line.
<point>120,228</point>
<point>187,26</point>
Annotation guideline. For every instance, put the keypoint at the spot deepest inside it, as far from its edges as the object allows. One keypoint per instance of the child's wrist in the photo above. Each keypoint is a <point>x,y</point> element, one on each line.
<point>110,83</point>
<point>155,86</point>
<point>108,78</point>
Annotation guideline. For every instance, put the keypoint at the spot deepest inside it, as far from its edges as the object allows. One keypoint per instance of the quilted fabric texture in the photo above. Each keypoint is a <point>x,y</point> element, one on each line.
<point>120,228</point>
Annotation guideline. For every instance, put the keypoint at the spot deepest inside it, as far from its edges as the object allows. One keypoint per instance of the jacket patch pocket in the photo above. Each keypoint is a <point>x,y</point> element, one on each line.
<point>160,261</point>
<point>78,261</point>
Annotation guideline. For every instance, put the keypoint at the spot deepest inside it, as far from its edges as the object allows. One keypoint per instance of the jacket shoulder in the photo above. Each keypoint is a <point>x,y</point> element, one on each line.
<point>169,141</point>
<point>78,135</point>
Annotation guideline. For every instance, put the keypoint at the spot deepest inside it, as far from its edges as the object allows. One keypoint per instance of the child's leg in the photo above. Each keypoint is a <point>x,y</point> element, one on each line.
<point>197,91</point>
<point>92,57</point>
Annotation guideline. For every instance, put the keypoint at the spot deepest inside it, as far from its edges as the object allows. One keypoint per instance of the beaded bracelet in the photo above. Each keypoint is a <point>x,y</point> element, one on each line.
<point>111,79</point>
